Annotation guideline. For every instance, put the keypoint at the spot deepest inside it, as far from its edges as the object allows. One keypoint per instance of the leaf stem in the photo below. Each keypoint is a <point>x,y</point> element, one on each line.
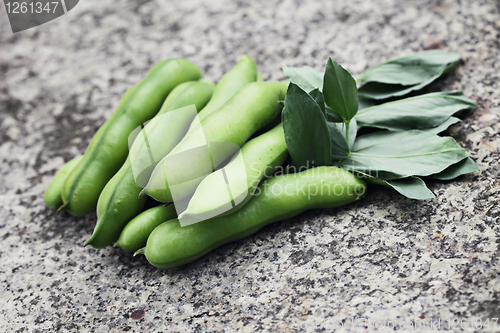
<point>347,122</point>
<point>340,163</point>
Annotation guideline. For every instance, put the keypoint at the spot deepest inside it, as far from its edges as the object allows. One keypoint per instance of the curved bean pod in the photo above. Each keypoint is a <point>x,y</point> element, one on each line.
<point>119,201</point>
<point>52,196</point>
<point>108,148</point>
<point>244,72</point>
<point>228,189</point>
<point>214,140</point>
<point>277,198</point>
<point>135,234</point>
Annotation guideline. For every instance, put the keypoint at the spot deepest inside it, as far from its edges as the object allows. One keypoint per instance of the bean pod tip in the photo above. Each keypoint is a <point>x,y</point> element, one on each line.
<point>140,251</point>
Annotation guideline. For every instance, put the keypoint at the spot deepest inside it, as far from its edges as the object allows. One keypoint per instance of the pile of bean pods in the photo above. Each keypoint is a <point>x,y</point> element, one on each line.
<point>239,192</point>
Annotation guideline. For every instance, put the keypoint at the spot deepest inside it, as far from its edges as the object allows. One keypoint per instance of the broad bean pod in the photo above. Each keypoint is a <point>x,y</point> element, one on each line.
<point>135,234</point>
<point>277,198</point>
<point>214,140</point>
<point>119,201</point>
<point>228,189</point>
<point>53,194</point>
<point>244,72</point>
<point>108,148</point>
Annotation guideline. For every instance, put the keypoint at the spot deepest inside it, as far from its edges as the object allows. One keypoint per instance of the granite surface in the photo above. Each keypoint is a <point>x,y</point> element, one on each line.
<point>387,260</point>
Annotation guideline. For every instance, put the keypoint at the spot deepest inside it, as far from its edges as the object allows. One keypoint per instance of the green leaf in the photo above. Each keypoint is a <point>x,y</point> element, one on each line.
<point>458,93</point>
<point>421,112</point>
<point>444,126</point>
<point>332,115</point>
<point>467,165</point>
<point>305,77</point>
<point>340,147</point>
<point>411,69</point>
<point>365,103</point>
<point>410,187</point>
<point>306,133</point>
<point>353,130</point>
<point>378,91</point>
<point>400,76</point>
<point>380,175</point>
<point>318,98</point>
<point>406,154</point>
<point>340,91</point>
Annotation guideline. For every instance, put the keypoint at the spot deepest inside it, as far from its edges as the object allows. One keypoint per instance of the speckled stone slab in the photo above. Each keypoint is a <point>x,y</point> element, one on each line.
<point>386,262</point>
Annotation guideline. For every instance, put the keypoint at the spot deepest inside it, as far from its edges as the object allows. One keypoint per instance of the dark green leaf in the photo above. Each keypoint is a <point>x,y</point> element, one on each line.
<point>340,148</point>
<point>421,112</point>
<point>467,165</point>
<point>340,91</point>
<point>410,153</point>
<point>353,130</point>
<point>306,133</point>
<point>305,77</point>
<point>318,97</point>
<point>332,115</point>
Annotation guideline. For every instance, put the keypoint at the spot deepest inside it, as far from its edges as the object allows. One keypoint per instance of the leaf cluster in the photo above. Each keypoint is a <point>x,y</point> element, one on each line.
<point>328,120</point>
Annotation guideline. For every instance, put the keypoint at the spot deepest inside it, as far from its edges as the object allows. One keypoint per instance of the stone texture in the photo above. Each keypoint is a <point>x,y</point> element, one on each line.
<point>386,259</point>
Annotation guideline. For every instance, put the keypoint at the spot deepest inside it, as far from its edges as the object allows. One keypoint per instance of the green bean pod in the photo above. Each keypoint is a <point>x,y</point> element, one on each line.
<point>276,199</point>
<point>135,234</point>
<point>119,201</point>
<point>228,189</point>
<point>244,72</point>
<point>214,140</point>
<point>164,131</point>
<point>108,148</point>
<point>52,196</point>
